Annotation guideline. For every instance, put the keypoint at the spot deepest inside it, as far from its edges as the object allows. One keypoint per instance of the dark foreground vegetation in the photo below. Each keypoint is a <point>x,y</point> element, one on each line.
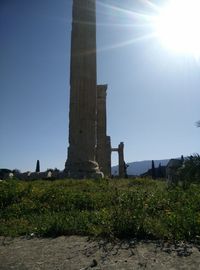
<point>140,208</point>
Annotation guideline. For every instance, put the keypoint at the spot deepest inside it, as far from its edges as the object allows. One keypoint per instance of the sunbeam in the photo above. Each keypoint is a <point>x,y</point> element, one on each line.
<point>128,18</point>
<point>175,23</point>
<point>127,42</point>
<point>131,13</point>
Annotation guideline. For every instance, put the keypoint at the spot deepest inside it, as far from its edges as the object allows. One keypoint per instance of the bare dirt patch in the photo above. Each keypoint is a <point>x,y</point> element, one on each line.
<point>82,253</point>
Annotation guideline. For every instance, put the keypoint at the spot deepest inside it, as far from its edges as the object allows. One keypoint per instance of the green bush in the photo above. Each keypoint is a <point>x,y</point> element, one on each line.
<point>190,171</point>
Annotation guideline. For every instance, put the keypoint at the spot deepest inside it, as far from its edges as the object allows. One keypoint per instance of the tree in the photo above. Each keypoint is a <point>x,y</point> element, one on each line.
<point>37,166</point>
<point>160,174</point>
<point>153,170</point>
<point>190,171</point>
<point>198,123</point>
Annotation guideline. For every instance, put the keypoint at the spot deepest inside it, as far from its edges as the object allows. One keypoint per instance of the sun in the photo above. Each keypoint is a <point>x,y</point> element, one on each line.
<point>178,26</point>
<point>175,23</point>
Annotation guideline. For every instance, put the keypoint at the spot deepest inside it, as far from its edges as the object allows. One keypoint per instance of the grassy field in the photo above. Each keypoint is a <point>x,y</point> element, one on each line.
<point>115,208</point>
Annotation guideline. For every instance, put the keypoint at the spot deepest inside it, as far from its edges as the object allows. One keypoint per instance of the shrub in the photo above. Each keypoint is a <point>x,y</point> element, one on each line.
<point>190,171</point>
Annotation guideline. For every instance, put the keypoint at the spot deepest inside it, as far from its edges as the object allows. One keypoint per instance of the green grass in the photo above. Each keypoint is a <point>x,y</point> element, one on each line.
<point>115,208</point>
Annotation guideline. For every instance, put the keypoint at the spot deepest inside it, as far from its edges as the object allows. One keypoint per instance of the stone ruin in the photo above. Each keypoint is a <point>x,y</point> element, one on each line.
<point>89,151</point>
<point>50,174</point>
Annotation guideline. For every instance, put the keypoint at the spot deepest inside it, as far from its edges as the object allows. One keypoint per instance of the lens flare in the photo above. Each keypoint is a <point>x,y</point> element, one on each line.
<point>178,26</point>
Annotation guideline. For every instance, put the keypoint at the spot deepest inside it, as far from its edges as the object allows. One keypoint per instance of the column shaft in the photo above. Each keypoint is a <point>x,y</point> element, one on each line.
<point>103,141</point>
<point>83,80</point>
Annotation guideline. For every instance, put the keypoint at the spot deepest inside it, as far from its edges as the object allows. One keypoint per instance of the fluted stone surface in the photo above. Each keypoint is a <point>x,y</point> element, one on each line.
<point>103,141</point>
<point>83,81</point>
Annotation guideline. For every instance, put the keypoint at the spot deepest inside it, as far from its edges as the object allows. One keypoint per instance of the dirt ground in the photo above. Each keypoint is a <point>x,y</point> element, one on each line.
<point>82,253</point>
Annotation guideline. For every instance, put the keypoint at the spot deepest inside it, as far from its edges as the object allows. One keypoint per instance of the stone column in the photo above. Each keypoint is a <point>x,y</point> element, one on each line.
<point>108,156</point>
<point>83,81</point>
<point>121,160</point>
<point>103,153</point>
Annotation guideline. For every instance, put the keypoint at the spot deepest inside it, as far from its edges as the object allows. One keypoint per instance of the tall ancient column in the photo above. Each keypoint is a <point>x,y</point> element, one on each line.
<point>121,160</point>
<point>103,154</point>
<point>83,82</point>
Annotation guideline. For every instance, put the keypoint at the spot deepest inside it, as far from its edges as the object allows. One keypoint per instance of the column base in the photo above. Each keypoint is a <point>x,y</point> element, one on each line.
<point>84,169</point>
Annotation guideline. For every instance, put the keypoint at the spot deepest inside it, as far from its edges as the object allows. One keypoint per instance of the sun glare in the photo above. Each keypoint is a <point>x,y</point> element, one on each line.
<point>178,26</point>
<point>175,23</point>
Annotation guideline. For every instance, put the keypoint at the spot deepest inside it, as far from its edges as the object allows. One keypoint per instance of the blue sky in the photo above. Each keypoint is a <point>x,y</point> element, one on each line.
<point>153,93</point>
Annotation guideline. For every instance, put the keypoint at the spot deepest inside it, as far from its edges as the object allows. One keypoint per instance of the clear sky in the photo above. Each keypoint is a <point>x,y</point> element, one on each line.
<point>153,92</point>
